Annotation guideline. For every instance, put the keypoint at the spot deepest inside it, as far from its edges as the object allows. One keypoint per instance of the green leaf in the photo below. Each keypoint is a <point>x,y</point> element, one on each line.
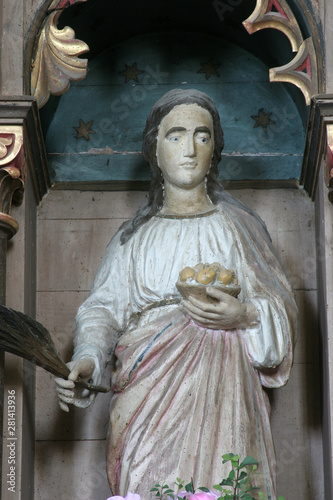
<point>227,456</point>
<point>252,488</point>
<point>227,482</point>
<point>246,496</point>
<point>165,486</point>
<point>206,490</point>
<point>189,488</point>
<point>231,474</point>
<point>281,498</point>
<point>154,489</point>
<point>248,461</point>
<point>217,487</point>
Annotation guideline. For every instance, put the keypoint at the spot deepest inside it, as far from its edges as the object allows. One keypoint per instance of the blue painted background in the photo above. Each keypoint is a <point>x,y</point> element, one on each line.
<point>119,110</point>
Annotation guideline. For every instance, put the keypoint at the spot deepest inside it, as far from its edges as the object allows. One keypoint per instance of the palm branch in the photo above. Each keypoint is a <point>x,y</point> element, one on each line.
<point>25,337</point>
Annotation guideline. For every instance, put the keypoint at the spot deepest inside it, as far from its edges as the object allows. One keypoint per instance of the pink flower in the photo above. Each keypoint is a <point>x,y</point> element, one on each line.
<point>202,495</point>
<point>129,496</point>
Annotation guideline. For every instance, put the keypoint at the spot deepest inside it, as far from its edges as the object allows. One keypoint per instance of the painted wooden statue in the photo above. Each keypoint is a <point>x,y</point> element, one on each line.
<point>190,375</point>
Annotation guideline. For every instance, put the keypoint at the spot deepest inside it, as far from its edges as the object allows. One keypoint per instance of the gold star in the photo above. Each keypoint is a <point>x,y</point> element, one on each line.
<point>84,130</point>
<point>209,69</point>
<point>262,119</point>
<point>131,72</point>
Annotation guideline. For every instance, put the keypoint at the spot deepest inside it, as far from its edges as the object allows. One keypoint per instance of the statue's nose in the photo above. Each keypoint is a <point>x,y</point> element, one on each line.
<point>189,147</point>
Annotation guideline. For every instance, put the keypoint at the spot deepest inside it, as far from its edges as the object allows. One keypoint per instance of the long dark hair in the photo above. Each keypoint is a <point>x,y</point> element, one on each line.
<point>160,109</point>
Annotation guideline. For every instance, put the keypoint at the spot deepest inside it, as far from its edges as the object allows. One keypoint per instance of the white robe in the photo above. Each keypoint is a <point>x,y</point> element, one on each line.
<point>183,394</point>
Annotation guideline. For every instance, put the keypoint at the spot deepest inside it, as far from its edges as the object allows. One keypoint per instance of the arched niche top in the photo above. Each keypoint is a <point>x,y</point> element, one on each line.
<point>56,53</point>
<point>93,133</point>
<point>301,70</point>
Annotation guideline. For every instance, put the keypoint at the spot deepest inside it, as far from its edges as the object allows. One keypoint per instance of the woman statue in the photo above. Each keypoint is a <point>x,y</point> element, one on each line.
<point>190,377</point>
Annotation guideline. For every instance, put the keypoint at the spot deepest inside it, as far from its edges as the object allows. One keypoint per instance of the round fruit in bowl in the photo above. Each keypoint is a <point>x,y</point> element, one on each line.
<point>195,280</point>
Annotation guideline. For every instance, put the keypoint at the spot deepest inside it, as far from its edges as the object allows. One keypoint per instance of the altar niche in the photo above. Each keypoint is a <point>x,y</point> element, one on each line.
<point>93,132</point>
<point>104,162</point>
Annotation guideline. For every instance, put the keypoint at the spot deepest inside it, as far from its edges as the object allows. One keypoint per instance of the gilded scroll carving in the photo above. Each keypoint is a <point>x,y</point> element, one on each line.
<point>302,69</point>
<point>56,62</point>
<point>12,174</point>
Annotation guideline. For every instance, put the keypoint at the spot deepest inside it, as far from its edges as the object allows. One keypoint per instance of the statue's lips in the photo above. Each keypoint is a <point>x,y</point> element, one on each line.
<point>189,165</point>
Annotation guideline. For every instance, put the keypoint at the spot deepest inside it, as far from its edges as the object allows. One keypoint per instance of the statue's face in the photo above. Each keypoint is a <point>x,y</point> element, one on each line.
<point>185,145</point>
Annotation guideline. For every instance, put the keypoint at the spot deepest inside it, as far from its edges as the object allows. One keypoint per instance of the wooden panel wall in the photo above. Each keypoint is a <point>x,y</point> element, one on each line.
<point>73,230</point>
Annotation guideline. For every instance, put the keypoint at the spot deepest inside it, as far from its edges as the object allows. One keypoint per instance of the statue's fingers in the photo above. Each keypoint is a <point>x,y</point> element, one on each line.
<point>200,305</point>
<point>191,308</point>
<point>69,393</point>
<point>218,307</point>
<point>218,294</point>
<point>207,316</point>
<point>62,382</point>
<point>82,367</point>
<point>200,320</point>
<point>74,374</point>
<point>66,399</point>
<point>213,313</point>
<point>63,406</point>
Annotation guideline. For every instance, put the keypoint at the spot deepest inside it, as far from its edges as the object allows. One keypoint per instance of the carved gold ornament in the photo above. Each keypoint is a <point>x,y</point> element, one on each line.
<point>302,70</point>
<point>12,175</point>
<point>11,142</point>
<point>56,62</point>
<point>4,143</point>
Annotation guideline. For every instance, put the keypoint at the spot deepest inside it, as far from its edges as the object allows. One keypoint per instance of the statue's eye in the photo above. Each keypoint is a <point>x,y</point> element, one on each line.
<point>174,138</point>
<point>202,138</point>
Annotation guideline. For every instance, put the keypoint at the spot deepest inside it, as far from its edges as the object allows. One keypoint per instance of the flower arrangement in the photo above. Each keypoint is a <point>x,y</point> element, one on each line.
<point>234,487</point>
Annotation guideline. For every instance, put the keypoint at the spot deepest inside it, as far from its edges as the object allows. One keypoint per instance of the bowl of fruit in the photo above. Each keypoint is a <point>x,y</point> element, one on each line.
<point>195,280</point>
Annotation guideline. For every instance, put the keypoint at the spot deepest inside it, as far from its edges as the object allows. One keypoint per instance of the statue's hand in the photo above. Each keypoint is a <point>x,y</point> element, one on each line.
<point>225,314</point>
<point>67,393</point>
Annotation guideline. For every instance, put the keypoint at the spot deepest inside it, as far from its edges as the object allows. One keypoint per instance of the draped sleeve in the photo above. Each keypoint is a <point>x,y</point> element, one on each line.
<point>270,342</point>
<point>109,310</point>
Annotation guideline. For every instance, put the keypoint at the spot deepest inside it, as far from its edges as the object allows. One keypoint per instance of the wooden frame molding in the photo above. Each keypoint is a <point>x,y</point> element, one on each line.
<point>319,145</point>
<point>328,160</point>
